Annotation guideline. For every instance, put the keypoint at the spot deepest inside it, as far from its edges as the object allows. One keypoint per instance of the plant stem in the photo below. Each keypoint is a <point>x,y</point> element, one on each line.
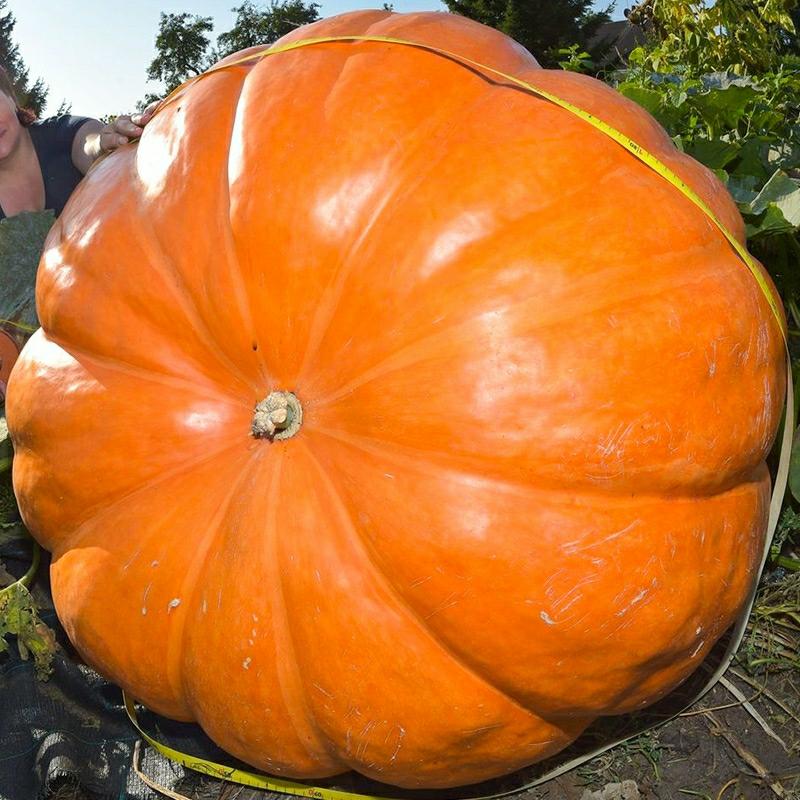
<point>26,579</point>
<point>792,564</point>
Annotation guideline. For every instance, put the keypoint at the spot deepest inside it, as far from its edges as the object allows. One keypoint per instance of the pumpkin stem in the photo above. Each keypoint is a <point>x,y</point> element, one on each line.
<point>278,416</point>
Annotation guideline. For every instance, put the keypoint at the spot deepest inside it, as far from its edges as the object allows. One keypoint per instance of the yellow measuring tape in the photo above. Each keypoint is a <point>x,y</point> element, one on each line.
<point>294,788</point>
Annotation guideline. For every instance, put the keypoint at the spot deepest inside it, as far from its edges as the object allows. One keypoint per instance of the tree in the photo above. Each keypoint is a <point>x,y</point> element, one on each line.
<point>182,43</point>
<point>29,96</point>
<point>181,49</point>
<point>254,26</point>
<point>696,37</point>
<point>541,26</point>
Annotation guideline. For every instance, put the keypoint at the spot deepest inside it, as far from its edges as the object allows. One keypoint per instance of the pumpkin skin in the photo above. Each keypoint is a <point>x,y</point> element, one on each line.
<point>538,388</point>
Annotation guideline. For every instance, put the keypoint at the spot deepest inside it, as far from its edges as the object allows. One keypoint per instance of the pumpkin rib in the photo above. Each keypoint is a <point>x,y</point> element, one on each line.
<point>212,390</point>
<point>73,538</point>
<point>329,482</point>
<point>234,258</point>
<point>60,313</point>
<point>399,189</point>
<point>519,730</point>
<point>183,294</point>
<point>231,255</point>
<point>128,554</point>
<point>320,330</point>
<point>238,585</point>
<point>393,196</point>
<point>385,366</point>
<point>279,602</point>
<point>208,266</point>
<point>203,544</point>
<point>395,451</point>
<point>512,572</point>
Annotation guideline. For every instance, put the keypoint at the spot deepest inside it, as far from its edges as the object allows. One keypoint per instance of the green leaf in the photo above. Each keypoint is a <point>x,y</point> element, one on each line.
<point>784,193</point>
<point>751,161</point>
<point>714,153</point>
<point>770,223</point>
<point>649,99</point>
<point>723,80</point>
<point>782,155</point>
<point>724,108</point>
<point>765,119</point>
<point>21,243</point>
<point>19,618</point>
<point>743,188</point>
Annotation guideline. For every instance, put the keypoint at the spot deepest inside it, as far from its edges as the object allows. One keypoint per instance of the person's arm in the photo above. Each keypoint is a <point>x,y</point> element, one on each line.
<point>94,138</point>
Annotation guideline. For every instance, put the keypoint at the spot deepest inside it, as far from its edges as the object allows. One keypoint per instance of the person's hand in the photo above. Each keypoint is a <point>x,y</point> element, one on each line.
<point>125,128</point>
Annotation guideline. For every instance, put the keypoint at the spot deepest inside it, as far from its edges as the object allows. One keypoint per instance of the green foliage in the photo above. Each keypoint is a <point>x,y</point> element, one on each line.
<point>698,37</point>
<point>20,619</point>
<point>20,624</point>
<point>575,59</point>
<point>541,26</point>
<point>21,242</point>
<point>31,96</point>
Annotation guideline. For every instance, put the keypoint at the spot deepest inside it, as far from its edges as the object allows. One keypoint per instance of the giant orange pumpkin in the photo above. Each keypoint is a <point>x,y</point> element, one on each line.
<point>529,389</point>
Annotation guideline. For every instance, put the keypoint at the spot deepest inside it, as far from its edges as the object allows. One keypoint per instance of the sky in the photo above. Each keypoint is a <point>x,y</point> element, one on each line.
<point>94,53</point>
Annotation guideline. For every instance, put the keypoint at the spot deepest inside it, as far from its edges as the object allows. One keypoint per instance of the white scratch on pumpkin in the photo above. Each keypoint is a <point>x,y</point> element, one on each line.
<point>637,598</point>
<point>131,559</point>
<point>205,606</point>
<point>144,598</point>
<point>402,731</point>
<point>712,360</point>
<point>697,649</point>
<point>547,618</point>
<point>576,545</point>
<point>174,603</point>
<point>246,663</point>
<point>450,600</point>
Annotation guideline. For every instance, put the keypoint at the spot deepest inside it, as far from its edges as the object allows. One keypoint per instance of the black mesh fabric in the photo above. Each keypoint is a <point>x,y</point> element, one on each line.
<point>72,725</point>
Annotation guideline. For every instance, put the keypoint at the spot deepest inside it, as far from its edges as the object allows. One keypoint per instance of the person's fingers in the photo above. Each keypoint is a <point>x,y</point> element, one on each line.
<point>125,126</point>
<point>145,115</point>
<point>110,139</point>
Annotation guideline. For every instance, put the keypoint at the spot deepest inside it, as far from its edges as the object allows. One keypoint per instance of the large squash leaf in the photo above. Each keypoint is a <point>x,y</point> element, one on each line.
<point>21,243</point>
